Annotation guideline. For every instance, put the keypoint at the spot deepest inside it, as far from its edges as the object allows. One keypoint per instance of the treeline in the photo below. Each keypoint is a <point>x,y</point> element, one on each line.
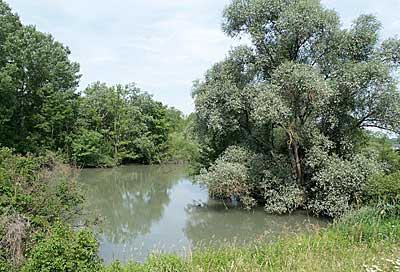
<point>122,124</point>
<point>284,122</point>
<point>41,108</point>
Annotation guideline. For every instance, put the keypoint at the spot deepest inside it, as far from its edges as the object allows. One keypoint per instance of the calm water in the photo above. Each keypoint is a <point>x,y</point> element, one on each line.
<point>157,208</point>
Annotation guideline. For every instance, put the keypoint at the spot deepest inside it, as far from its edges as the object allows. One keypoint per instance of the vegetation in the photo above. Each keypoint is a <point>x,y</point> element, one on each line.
<point>284,122</point>
<point>36,193</point>
<point>296,107</point>
<point>118,123</point>
<point>366,240</point>
<point>104,126</point>
<point>39,198</point>
<point>65,250</point>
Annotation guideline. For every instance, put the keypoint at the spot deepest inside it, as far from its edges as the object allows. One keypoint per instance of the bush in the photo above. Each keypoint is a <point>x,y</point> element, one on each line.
<point>228,180</point>
<point>228,177</point>
<point>65,250</point>
<point>90,149</point>
<point>182,147</point>
<point>384,187</point>
<point>283,199</point>
<point>35,193</point>
<point>339,184</point>
<point>279,189</point>
<point>254,178</point>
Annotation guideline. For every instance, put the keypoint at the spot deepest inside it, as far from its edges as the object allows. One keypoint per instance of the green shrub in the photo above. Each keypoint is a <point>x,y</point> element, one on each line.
<point>384,187</point>
<point>254,179</point>
<point>280,192</point>
<point>90,149</point>
<point>228,177</point>
<point>380,145</point>
<point>35,193</point>
<point>228,180</point>
<point>339,185</point>
<point>182,148</point>
<point>64,250</point>
<point>283,199</point>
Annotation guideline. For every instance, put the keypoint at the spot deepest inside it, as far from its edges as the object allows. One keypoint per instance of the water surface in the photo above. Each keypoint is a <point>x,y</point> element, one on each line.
<point>149,209</point>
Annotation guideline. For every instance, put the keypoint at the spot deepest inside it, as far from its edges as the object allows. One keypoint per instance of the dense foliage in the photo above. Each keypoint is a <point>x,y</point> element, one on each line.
<point>65,250</point>
<point>41,108</point>
<point>282,122</point>
<point>37,86</point>
<point>119,123</point>
<point>38,199</point>
<point>300,98</point>
<point>35,194</point>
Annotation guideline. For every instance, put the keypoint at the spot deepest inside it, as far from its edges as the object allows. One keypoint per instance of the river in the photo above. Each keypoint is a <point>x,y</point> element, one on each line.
<point>147,208</point>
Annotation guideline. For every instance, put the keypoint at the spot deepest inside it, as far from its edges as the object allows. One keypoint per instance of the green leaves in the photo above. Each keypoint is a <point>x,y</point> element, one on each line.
<point>296,93</point>
<point>390,52</point>
<point>42,111</point>
<point>35,193</point>
<point>283,30</point>
<point>119,123</point>
<point>38,81</point>
<point>65,250</point>
<point>305,90</point>
<point>340,184</point>
<point>363,37</point>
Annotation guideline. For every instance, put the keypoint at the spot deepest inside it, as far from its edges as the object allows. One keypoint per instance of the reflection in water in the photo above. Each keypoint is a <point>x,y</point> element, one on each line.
<point>129,201</point>
<point>157,208</point>
<point>239,226</point>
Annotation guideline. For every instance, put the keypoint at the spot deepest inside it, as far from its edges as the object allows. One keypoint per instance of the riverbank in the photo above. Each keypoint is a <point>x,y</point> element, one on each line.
<point>365,240</point>
<point>39,198</point>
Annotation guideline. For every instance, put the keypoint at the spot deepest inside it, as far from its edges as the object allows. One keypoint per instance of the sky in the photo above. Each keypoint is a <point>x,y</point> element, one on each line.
<point>161,45</point>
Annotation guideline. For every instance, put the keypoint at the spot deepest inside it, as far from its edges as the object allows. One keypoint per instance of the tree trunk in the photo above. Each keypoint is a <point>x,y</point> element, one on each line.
<point>296,160</point>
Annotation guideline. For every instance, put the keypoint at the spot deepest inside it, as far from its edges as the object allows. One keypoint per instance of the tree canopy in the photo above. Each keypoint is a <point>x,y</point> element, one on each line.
<point>37,85</point>
<point>303,84</point>
<point>41,108</point>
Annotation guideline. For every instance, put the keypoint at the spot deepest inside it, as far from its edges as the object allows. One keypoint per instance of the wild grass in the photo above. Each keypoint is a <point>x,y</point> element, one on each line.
<point>365,240</point>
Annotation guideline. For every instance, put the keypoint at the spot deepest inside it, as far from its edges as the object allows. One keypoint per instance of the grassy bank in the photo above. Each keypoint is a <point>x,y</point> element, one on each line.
<point>365,240</point>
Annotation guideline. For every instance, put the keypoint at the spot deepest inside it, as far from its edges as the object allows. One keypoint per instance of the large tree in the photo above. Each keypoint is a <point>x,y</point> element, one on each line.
<point>37,85</point>
<point>303,79</point>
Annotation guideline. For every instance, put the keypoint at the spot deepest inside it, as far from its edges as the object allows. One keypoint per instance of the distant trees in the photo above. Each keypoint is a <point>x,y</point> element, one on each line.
<point>304,91</point>
<point>41,108</point>
<point>118,123</point>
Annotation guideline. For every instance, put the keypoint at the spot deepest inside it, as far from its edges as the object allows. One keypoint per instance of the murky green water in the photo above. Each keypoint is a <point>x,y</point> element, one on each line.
<point>157,208</point>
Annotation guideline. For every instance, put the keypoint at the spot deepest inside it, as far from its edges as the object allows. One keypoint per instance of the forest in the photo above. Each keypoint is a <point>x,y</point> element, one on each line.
<point>42,110</point>
<point>304,117</point>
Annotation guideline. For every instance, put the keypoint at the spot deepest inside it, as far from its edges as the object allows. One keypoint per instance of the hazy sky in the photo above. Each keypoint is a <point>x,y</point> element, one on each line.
<point>162,45</point>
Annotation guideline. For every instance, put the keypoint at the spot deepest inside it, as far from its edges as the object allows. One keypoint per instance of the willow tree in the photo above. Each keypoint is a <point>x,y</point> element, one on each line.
<point>295,96</point>
<point>306,78</point>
